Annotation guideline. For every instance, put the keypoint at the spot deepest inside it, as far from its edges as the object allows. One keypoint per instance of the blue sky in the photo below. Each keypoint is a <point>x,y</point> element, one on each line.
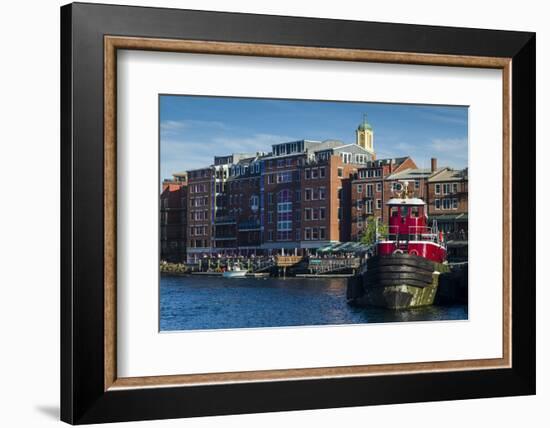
<point>194,129</point>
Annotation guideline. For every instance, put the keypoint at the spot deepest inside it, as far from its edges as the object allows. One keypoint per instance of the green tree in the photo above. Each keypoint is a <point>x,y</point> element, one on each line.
<point>369,234</point>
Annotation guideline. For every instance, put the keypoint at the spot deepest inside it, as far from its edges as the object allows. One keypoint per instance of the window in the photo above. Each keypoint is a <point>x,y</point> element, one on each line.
<point>369,206</point>
<point>379,204</point>
<point>254,202</point>
<point>455,204</point>
<point>322,193</point>
<point>340,172</point>
<point>359,204</point>
<point>446,188</point>
<point>455,187</point>
<point>359,188</point>
<point>314,195</point>
<point>322,233</point>
<point>307,174</point>
<point>307,214</point>
<point>322,172</point>
<point>446,204</point>
<point>289,162</point>
<point>308,194</point>
<point>417,184</point>
<point>314,234</point>
<point>414,211</point>
<point>314,214</point>
<point>369,190</point>
<point>437,189</point>
<point>298,234</point>
<point>314,173</point>
<point>379,187</point>
<point>437,203</point>
<point>280,163</point>
<point>322,213</point>
<point>269,178</point>
<point>307,233</point>
<point>284,177</point>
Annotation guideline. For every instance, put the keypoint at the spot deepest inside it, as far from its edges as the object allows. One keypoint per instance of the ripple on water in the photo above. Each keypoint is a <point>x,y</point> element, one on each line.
<point>193,303</point>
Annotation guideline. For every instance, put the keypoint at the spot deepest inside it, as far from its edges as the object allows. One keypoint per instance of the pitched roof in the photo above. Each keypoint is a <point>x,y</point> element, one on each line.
<point>411,174</point>
<point>448,174</point>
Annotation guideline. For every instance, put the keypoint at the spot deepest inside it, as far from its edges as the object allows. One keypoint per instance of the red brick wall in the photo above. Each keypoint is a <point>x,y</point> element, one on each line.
<point>199,200</point>
<point>173,221</point>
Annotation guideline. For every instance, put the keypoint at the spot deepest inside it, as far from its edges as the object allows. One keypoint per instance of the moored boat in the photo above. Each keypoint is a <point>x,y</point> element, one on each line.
<point>404,272</point>
<point>235,272</point>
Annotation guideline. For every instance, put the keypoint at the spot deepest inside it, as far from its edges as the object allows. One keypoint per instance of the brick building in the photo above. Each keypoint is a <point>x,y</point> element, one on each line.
<point>304,195</point>
<point>447,200</point>
<point>444,190</point>
<point>296,197</point>
<point>200,211</point>
<point>173,218</point>
<point>371,188</point>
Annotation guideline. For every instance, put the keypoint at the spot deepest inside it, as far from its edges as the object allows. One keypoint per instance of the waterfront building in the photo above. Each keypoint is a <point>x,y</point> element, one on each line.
<point>371,188</point>
<point>307,194</point>
<point>240,223</point>
<point>200,212</point>
<point>295,198</point>
<point>173,218</point>
<point>448,201</point>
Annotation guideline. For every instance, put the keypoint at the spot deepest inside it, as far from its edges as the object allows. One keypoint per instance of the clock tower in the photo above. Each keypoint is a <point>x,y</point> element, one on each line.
<point>364,136</point>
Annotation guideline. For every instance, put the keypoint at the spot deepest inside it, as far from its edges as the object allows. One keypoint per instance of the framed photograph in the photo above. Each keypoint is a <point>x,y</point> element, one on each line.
<point>266,213</point>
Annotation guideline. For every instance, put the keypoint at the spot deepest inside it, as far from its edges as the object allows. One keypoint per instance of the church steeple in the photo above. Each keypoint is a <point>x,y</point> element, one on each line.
<point>364,136</point>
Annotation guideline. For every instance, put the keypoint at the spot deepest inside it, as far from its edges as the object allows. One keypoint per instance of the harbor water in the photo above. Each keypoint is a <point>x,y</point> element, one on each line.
<point>212,302</point>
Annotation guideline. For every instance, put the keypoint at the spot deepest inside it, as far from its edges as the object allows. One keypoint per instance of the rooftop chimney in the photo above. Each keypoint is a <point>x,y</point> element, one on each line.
<point>434,164</point>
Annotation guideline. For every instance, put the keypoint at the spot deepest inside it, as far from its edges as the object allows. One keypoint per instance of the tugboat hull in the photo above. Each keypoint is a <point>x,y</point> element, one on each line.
<point>400,281</point>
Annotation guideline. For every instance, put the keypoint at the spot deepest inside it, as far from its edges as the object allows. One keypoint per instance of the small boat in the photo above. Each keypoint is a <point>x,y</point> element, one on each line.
<point>235,272</point>
<point>404,272</point>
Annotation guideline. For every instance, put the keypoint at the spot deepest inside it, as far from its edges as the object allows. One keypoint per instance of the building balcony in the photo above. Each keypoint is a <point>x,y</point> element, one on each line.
<point>225,238</point>
<point>249,225</point>
<point>227,219</point>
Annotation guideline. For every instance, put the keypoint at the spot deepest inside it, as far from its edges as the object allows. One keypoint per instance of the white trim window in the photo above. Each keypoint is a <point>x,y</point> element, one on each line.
<point>322,172</point>
<point>437,203</point>
<point>368,206</point>
<point>369,190</point>
<point>437,189</point>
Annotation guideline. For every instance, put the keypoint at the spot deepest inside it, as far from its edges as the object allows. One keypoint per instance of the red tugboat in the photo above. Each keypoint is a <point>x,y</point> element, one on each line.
<point>404,271</point>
